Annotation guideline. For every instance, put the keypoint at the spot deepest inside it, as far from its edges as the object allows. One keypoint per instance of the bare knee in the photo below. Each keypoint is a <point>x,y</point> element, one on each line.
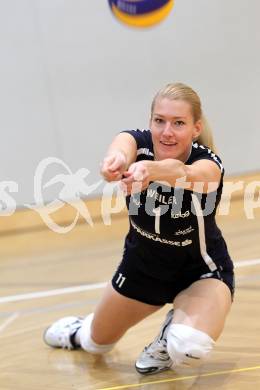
<point>187,345</point>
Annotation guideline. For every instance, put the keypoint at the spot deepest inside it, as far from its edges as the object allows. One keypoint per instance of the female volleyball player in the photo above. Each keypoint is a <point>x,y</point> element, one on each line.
<point>174,252</point>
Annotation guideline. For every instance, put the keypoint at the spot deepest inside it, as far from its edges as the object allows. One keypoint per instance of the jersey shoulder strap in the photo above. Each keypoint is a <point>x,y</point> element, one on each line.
<point>202,152</point>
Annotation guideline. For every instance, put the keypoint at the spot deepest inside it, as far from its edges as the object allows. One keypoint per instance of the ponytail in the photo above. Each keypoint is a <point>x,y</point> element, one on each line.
<point>206,136</point>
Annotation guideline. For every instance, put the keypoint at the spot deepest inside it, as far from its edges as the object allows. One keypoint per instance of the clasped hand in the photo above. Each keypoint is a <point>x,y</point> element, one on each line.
<point>132,180</point>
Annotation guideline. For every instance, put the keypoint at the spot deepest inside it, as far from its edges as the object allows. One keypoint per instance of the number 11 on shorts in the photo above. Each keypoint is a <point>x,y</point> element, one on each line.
<point>120,280</point>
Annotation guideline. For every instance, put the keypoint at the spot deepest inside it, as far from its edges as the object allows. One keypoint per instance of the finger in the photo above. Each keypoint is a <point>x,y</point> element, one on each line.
<point>114,173</point>
<point>137,172</point>
<point>106,167</point>
<point>127,173</point>
<point>118,163</point>
<point>115,166</point>
<point>114,163</point>
<point>128,180</point>
<point>138,175</point>
<point>111,176</point>
<point>108,160</point>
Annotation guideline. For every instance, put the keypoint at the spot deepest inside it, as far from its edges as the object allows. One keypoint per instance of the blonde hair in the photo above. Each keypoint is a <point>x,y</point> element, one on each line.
<point>179,91</point>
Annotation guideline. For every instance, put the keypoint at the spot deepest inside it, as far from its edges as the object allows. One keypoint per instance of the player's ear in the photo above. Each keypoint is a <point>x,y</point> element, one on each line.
<point>197,129</point>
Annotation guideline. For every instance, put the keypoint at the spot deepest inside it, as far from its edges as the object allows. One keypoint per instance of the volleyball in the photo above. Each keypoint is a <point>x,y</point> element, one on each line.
<point>141,13</point>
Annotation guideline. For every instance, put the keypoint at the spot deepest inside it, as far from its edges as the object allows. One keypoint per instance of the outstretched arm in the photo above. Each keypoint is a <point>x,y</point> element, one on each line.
<point>201,176</point>
<point>120,155</point>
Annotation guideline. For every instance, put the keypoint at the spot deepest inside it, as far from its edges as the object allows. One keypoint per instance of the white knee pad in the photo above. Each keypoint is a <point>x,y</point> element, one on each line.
<point>188,345</point>
<point>86,341</point>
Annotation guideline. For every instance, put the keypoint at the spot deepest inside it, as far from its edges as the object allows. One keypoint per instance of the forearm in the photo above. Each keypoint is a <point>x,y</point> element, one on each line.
<point>202,176</point>
<point>169,171</point>
<point>125,144</point>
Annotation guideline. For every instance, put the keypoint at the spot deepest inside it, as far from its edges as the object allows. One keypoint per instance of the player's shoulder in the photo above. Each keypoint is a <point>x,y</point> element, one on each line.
<point>139,133</point>
<point>143,140</point>
<point>202,152</point>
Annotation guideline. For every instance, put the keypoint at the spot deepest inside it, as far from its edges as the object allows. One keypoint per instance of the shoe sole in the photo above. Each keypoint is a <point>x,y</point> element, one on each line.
<point>151,370</point>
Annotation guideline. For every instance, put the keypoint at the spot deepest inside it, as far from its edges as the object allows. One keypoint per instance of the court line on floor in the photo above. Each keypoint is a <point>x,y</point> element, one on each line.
<point>8,321</point>
<point>246,263</point>
<point>182,378</point>
<point>50,293</point>
<point>50,308</point>
<point>87,287</point>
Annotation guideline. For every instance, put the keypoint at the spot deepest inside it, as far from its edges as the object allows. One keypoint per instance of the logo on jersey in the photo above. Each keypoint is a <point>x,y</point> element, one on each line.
<point>161,198</point>
<point>183,232</point>
<point>155,237</point>
<point>186,214</point>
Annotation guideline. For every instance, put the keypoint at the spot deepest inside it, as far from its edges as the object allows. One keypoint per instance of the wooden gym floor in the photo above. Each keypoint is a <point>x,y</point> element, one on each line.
<point>38,267</point>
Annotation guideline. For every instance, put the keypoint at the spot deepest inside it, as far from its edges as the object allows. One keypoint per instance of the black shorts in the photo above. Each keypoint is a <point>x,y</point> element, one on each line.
<point>131,281</point>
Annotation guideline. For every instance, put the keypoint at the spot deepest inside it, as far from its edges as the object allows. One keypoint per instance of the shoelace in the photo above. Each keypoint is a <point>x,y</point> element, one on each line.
<point>65,340</point>
<point>65,337</point>
<point>158,350</point>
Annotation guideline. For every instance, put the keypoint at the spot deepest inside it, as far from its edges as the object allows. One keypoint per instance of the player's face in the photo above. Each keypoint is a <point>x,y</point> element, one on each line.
<point>173,129</point>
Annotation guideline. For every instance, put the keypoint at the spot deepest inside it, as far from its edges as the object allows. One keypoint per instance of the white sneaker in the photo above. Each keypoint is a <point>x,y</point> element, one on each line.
<point>155,357</point>
<point>61,333</point>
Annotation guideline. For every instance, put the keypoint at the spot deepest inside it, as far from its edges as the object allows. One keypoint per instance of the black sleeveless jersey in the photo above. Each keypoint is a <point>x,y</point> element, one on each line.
<point>172,228</point>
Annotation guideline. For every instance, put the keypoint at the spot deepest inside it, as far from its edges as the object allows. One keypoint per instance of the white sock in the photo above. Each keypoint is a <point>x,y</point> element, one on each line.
<point>84,339</point>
